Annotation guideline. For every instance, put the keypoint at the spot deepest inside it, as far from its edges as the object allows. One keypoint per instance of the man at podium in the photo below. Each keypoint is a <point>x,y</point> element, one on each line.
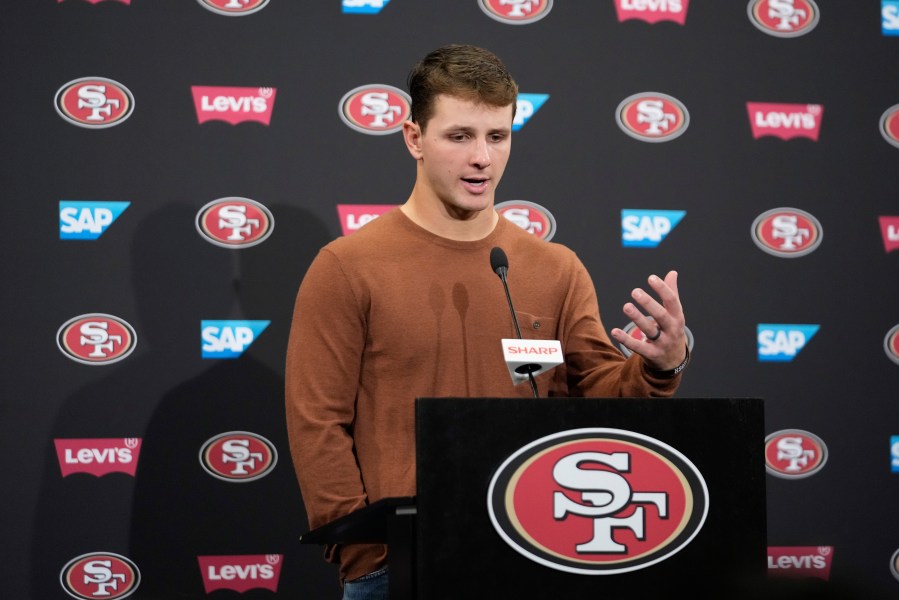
<point>410,306</point>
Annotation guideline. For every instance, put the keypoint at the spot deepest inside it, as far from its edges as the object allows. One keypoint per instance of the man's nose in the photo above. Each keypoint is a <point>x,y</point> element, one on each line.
<point>481,153</point>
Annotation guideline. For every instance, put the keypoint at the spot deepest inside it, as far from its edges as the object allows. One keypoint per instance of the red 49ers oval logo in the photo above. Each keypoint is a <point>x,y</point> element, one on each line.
<point>100,575</point>
<point>531,217</point>
<point>375,109</point>
<point>794,454</point>
<point>238,456</point>
<point>94,102</point>
<point>96,339</point>
<point>889,125</point>
<point>516,13</point>
<point>597,501</point>
<point>235,222</point>
<point>233,8</point>
<point>784,18</point>
<point>787,232</point>
<point>652,117</point>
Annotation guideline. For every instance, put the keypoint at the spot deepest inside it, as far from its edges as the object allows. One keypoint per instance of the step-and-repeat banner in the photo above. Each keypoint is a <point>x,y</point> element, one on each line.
<point>171,167</point>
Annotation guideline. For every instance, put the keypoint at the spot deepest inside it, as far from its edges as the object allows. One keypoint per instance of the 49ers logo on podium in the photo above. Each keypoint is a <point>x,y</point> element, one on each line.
<point>597,501</point>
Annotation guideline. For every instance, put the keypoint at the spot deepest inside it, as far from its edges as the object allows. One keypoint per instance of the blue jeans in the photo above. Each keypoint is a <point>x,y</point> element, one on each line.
<point>368,587</point>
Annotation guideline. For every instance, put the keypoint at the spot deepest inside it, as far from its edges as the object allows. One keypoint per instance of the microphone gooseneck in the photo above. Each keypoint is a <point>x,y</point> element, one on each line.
<point>499,262</point>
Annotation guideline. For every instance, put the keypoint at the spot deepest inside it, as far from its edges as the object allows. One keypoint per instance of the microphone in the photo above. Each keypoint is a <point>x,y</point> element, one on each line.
<point>520,354</point>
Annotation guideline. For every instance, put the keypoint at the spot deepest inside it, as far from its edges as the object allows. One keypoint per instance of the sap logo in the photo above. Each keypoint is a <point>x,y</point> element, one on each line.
<point>87,220</point>
<point>647,228</point>
<point>894,453</point>
<point>781,343</point>
<point>889,11</point>
<point>229,339</point>
<point>363,7</point>
<point>526,107</point>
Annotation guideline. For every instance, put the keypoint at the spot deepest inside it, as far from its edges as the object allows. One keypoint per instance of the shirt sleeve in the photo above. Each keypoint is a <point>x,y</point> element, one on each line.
<point>326,341</point>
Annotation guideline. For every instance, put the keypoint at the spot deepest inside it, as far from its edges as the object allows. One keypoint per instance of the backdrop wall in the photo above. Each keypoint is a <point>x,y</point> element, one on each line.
<point>170,168</point>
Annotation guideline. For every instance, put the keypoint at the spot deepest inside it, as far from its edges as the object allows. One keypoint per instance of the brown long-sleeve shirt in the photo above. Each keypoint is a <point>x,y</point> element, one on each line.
<point>392,313</point>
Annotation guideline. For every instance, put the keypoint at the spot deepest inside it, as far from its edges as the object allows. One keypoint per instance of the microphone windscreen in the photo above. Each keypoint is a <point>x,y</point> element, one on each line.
<point>498,260</point>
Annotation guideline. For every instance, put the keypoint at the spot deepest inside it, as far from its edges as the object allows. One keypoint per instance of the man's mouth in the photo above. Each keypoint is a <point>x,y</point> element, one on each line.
<point>475,182</point>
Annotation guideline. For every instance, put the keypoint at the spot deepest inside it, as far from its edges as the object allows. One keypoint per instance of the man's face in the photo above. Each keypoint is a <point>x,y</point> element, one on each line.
<point>463,151</point>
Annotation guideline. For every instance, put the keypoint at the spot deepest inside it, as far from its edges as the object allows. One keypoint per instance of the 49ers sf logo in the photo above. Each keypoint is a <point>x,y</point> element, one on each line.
<point>652,117</point>
<point>787,232</point>
<point>597,501</point>
<point>96,339</point>
<point>530,216</point>
<point>233,8</point>
<point>889,125</point>
<point>375,109</point>
<point>94,102</point>
<point>794,454</point>
<point>784,18</point>
<point>235,222</point>
<point>238,456</point>
<point>100,575</point>
<point>516,12</point>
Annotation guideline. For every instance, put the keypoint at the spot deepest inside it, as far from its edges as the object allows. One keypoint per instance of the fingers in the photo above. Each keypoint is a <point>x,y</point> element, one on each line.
<point>663,316</point>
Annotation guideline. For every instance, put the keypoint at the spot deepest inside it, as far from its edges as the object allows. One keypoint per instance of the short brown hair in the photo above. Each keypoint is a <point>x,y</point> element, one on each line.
<point>462,71</point>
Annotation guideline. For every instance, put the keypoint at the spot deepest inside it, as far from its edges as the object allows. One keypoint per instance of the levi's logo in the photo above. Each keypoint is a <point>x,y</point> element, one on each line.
<point>354,216</point>
<point>889,229</point>
<point>800,561</point>
<point>785,121</point>
<point>652,11</point>
<point>241,572</point>
<point>97,457</point>
<point>98,1</point>
<point>234,104</point>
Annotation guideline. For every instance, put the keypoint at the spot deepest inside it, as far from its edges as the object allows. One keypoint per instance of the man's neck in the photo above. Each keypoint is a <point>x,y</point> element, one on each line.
<point>442,221</point>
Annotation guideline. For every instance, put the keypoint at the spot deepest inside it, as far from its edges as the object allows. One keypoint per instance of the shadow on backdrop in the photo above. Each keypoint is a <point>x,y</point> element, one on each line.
<point>173,511</point>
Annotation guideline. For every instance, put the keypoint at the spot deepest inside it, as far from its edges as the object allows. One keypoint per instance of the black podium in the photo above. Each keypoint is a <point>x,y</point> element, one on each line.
<point>626,498</point>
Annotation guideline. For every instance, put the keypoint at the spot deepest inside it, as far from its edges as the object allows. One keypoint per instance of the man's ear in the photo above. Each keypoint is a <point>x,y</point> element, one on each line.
<point>412,136</point>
